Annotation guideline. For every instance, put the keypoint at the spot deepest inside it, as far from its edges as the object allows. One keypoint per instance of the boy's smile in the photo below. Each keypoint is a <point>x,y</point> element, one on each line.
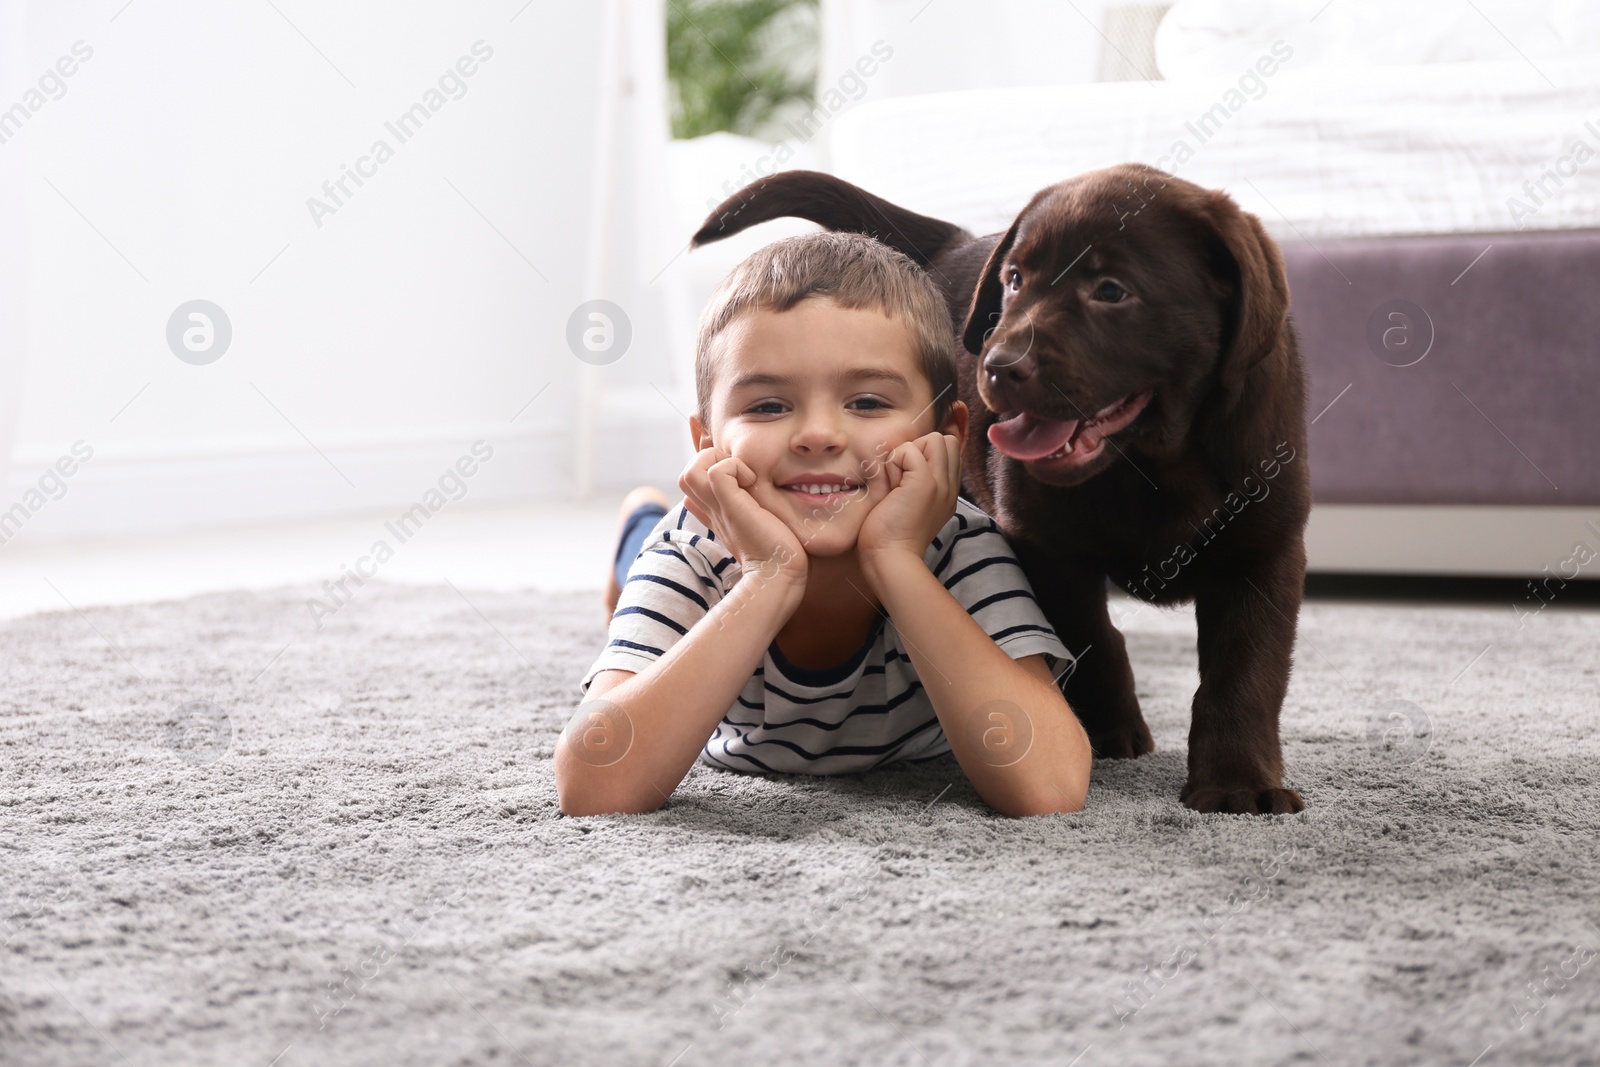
<point>813,400</point>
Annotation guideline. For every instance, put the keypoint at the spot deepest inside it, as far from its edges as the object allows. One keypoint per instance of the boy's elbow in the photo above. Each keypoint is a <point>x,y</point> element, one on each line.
<point>584,806</point>
<point>578,793</point>
<point>1065,788</point>
<point>1055,804</point>
<point>1060,797</point>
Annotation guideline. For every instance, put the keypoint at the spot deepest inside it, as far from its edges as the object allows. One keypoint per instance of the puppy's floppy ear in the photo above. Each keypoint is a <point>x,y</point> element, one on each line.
<point>983,314</point>
<point>1247,262</point>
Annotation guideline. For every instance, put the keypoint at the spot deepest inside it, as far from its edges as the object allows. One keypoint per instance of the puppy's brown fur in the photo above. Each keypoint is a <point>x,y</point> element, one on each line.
<point>1203,497</point>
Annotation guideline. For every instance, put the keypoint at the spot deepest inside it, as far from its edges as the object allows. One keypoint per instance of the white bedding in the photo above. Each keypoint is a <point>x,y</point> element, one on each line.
<point>1214,37</point>
<point>1319,152</point>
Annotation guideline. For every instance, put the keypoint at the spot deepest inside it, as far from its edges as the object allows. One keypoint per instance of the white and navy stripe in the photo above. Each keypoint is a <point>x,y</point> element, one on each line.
<point>868,711</point>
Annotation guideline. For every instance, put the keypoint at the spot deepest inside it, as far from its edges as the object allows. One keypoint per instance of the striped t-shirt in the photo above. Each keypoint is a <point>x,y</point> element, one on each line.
<point>868,711</point>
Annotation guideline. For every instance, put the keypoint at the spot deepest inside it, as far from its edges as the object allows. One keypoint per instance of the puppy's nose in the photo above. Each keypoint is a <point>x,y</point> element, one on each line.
<point>1008,367</point>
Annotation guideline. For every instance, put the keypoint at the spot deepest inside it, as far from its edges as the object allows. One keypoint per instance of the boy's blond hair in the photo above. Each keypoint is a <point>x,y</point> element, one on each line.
<point>851,269</point>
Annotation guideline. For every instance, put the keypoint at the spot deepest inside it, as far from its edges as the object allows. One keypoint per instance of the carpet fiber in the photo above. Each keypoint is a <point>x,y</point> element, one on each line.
<point>227,835</point>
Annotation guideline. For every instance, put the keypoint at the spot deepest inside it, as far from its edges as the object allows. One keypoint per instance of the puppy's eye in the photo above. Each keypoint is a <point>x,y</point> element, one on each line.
<point>1110,292</point>
<point>1014,279</point>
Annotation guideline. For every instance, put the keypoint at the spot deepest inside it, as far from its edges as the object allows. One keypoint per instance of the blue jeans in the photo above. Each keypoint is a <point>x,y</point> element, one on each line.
<point>640,521</point>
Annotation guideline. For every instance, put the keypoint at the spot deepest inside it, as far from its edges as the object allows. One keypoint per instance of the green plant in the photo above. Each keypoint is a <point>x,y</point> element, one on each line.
<point>735,64</point>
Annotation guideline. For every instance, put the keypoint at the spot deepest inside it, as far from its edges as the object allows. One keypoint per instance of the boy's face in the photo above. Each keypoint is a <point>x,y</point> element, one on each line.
<point>806,423</point>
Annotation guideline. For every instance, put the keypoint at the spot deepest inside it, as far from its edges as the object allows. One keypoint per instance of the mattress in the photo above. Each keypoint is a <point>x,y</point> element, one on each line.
<point>1319,152</point>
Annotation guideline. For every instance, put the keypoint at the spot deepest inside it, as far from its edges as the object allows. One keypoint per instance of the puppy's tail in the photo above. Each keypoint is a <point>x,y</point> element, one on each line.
<point>832,203</point>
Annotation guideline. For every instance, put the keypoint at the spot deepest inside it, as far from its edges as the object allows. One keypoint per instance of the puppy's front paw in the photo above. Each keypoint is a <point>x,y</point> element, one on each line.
<point>1241,799</point>
<point>1122,742</point>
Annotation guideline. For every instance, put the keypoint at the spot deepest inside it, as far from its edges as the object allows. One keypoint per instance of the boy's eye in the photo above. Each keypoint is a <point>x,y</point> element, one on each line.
<point>774,407</point>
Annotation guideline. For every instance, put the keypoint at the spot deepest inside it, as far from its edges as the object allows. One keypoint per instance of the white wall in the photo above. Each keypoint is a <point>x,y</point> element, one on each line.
<point>369,352</point>
<point>13,244</point>
<point>945,45</point>
<point>177,164</point>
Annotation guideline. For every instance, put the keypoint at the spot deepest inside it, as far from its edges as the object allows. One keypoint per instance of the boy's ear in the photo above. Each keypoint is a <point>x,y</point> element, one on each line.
<point>956,422</point>
<point>698,434</point>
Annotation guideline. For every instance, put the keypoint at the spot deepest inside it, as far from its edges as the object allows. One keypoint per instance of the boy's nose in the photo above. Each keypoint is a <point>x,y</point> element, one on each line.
<point>820,433</point>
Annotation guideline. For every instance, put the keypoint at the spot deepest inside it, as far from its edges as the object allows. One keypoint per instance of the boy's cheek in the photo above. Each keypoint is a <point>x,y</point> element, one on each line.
<point>766,494</point>
<point>758,456</point>
<point>873,469</point>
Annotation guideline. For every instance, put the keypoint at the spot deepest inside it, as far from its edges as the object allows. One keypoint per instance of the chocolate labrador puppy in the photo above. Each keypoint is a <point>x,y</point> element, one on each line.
<point>1137,406</point>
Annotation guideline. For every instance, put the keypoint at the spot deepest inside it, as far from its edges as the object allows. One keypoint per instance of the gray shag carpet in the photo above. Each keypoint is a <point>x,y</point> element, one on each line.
<point>227,836</point>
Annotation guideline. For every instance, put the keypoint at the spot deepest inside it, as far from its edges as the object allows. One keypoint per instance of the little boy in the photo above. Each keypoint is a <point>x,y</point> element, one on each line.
<point>823,601</point>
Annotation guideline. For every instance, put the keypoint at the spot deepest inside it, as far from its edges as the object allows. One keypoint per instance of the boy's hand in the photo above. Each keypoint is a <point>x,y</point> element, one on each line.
<point>716,489</point>
<point>924,481</point>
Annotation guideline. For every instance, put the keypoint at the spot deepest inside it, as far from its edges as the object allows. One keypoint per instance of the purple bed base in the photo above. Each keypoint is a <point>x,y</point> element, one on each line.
<point>1457,369</point>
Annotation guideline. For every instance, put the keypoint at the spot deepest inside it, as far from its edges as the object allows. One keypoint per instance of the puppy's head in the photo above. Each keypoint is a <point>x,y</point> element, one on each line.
<point>1116,305</point>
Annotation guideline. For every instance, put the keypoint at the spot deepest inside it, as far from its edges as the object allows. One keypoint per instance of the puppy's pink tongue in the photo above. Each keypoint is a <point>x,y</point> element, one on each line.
<point>1025,437</point>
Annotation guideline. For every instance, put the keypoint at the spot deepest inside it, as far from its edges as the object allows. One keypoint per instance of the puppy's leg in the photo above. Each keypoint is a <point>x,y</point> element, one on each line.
<point>1099,686</point>
<point>1247,628</point>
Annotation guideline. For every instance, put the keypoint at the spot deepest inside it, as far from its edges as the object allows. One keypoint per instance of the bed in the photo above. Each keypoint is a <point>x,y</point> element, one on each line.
<point>1440,224</point>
